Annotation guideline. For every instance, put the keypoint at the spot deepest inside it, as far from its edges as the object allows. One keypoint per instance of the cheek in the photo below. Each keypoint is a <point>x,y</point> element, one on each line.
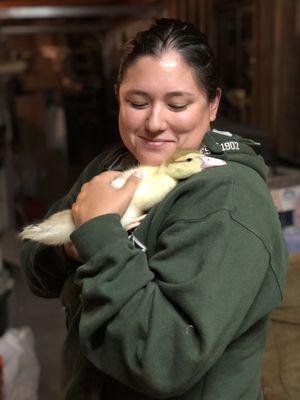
<point>191,120</point>
<point>129,119</point>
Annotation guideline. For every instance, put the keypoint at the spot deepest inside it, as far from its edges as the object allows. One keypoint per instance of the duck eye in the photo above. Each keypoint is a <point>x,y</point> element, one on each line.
<point>189,159</point>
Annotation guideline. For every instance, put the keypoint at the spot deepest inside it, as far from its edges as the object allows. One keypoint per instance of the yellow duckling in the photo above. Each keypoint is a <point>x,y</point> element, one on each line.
<point>155,184</point>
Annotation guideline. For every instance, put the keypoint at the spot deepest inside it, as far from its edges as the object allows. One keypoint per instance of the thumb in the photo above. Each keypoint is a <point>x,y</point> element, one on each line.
<point>133,181</point>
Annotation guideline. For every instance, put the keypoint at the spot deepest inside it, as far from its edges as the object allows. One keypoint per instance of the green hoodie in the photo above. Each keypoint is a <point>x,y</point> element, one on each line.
<point>179,309</point>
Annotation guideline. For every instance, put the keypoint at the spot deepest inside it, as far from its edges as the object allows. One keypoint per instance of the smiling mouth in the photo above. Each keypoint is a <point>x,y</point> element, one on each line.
<point>156,140</point>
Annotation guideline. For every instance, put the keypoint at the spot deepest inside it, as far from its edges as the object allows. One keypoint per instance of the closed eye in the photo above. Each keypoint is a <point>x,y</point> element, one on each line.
<point>177,108</point>
<point>173,107</point>
<point>138,106</point>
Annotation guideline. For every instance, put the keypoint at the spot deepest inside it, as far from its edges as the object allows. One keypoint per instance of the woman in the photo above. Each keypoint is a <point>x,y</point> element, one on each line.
<point>179,308</point>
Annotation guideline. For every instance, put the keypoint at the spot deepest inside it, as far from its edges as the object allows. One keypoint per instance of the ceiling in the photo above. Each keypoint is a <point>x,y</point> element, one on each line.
<point>30,3</point>
<point>18,17</point>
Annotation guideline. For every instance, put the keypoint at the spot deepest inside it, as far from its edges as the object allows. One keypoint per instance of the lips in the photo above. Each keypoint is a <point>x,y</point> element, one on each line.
<point>159,140</point>
<point>155,143</point>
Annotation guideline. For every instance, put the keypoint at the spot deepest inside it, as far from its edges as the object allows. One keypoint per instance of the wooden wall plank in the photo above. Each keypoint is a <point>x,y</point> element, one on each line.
<point>278,80</point>
<point>288,103</point>
<point>265,65</point>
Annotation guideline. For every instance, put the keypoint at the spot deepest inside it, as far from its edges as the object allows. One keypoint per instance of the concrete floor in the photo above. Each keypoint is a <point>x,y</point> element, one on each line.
<point>47,321</point>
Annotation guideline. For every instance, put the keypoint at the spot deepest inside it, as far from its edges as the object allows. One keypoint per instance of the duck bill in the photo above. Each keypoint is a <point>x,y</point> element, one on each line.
<point>209,162</point>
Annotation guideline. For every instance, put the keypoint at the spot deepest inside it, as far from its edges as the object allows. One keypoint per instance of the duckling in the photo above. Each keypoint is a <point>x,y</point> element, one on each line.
<point>155,184</point>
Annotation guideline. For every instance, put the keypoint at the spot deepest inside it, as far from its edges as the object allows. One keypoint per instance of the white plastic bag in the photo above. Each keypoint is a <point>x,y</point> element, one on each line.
<point>21,368</point>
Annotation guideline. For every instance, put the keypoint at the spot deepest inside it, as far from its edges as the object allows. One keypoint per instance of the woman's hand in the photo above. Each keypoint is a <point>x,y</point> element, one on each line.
<point>98,197</point>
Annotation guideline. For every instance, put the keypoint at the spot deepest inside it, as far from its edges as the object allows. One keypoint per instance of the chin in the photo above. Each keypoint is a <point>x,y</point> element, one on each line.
<point>152,158</point>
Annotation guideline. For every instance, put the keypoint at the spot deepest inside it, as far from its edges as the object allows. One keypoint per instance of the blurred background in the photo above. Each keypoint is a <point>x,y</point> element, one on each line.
<point>58,64</point>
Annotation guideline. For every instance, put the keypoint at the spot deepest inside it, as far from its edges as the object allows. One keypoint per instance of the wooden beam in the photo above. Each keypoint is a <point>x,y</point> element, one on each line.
<point>38,3</point>
<point>22,13</point>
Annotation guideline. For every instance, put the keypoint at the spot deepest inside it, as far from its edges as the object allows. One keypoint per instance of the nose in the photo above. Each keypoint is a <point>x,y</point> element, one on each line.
<point>155,121</point>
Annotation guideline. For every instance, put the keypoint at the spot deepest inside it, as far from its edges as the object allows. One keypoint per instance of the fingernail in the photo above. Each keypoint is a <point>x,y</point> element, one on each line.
<point>138,174</point>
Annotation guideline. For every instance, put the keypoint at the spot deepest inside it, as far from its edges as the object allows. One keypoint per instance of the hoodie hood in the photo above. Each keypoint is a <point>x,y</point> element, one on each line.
<point>232,147</point>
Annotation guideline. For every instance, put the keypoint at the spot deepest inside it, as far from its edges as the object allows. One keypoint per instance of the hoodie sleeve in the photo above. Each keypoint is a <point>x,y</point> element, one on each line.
<point>157,325</point>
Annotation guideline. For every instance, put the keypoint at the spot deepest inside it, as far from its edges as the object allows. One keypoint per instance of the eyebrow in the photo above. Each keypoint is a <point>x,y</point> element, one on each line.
<point>169,94</point>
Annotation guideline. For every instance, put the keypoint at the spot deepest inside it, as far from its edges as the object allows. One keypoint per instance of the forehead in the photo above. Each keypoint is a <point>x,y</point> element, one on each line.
<point>168,72</point>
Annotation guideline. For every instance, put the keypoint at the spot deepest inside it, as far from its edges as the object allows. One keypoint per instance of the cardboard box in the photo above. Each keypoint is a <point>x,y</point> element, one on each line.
<point>285,188</point>
<point>287,198</point>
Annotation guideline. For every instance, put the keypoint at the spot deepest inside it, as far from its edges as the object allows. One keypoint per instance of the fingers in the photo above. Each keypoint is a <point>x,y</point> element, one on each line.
<point>74,210</point>
<point>140,218</point>
<point>84,186</point>
<point>99,197</point>
<point>133,181</point>
<point>132,226</point>
<point>107,176</point>
<point>135,223</point>
<point>81,195</point>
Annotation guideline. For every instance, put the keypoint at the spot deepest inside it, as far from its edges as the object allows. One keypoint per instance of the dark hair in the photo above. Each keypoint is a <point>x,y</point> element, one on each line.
<point>170,34</point>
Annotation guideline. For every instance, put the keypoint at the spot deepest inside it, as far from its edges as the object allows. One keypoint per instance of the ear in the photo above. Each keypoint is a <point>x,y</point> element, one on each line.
<point>214,105</point>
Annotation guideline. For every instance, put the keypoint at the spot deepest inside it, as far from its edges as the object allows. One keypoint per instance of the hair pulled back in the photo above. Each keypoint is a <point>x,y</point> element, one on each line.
<point>183,37</point>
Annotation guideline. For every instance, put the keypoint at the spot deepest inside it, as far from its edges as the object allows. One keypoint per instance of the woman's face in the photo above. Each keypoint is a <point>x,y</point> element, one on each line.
<point>162,108</point>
